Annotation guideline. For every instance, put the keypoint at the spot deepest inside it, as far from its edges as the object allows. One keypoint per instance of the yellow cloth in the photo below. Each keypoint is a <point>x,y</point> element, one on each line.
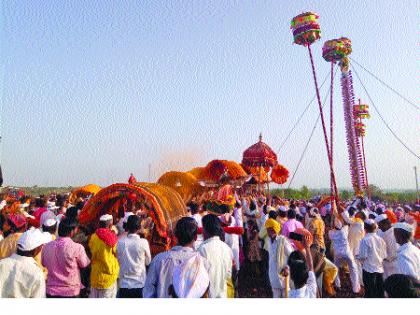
<point>271,223</point>
<point>330,273</point>
<point>230,289</point>
<point>317,229</point>
<point>105,267</point>
<point>8,246</point>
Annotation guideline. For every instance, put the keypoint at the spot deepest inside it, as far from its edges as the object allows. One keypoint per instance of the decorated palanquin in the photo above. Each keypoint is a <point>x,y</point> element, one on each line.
<point>84,191</point>
<point>163,205</point>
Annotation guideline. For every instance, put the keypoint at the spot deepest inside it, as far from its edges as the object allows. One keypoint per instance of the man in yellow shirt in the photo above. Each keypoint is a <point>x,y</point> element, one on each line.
<point>317,228</point>
<point>104,262</point>
<point>17,224</point>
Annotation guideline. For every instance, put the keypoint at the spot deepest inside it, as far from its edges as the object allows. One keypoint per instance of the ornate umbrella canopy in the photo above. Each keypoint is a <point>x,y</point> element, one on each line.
<point>259,154</point>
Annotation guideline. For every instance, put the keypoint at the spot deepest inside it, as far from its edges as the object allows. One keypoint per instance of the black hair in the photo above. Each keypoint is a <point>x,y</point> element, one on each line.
<point>133,224</point>
<point>363,215</point>
<point>39,202</point>
<point>79,205</point>
<point>272,214</point>
<point>186,230</point>
<point>50,229</point>
<point>252,205</point>
<point>238,204</point>
<point>26,253</point>
<point>66,226</point>
<point>212,226</point>
<point>370,228</point>
<point>352,210</point>
<point>104,224</point>
<point>401,286</point>
<point>405,235</point>
<point>299,271</point>
<point>299,217</point>
<point>193,207</point>
<point>72,212</point>
<point>291,214</point>
<point>372,216</point>
<point>282,214</point>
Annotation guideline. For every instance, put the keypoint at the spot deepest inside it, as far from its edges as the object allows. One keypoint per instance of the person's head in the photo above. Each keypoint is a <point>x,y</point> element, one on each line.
<point>133,224</point>
<point>105,221</point>
<point>67,227</point>
<point>401,286</point>
<point>40,202</point>
<point>352,211</point>
<point>273,228</point>
<point>186,231</point>
<point>291,214</point>
<point>50,226</point>
<point>383,223</point>
<point>361,215</point>
<point>282,212</point>
<point>72,212</point>
<point>299,271</point>
<point>403,232</point>
<point>212,227</point>
<point>193,207</point>
<point>252,205</point>
<point>272,214</point>
<point>31,242</point>
<point>370,226</point>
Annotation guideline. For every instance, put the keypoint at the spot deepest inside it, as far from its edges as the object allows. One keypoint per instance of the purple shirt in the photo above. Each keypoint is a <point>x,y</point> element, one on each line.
<point>63,258</point>
<point>290,225</point>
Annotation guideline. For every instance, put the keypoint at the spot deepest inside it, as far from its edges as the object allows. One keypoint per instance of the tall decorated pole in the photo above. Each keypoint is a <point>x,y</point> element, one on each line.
<point>306,31</point>
<point>360,112</point>
<point>334,51</point>
<point>354,128</point>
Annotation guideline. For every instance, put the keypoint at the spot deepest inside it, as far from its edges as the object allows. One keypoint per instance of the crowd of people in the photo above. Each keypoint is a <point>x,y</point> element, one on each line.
<point>300,248</point>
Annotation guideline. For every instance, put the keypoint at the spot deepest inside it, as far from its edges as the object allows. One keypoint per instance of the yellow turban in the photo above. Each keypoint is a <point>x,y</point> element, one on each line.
<point>271,223</point>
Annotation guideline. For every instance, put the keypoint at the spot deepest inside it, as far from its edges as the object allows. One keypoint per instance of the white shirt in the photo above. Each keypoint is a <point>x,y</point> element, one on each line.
<point>408,260</point>
<point>308,291</point>
<point>237,213</point>
<point>20,277</point>
<point>372,252</point>
<point>278,254</point>
<point>340,241</point>
<point>133,254</point>
<point>356,234</point>
<point>390,263</point>
<point>219,256</point>
<point>161,270</point>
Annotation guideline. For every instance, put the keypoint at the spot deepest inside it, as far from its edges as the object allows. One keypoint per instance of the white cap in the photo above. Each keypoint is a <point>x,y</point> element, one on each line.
<point>190,278</point>
<point>105,217</point>
<point>32,239</point>
<point>312,211</point>
<point>369,222</point>
<point>126,216</point>
<point>282,209</point>
<point>50,222</point>
<point>23,205</point>
<point>404,226</point>
<point>381,217</point>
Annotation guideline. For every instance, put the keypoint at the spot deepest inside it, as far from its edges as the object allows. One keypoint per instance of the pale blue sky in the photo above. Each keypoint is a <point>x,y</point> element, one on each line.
<point>94,90</point>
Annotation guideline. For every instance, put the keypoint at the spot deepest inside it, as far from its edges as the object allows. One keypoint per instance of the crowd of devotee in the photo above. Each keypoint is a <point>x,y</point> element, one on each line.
<point>297,248</point>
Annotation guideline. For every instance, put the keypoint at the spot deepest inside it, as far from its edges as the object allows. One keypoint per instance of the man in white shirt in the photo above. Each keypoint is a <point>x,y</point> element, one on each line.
<point>218,254</point>
<point>408,256</point>
<point>278,253</point>
<point>20,276</point>
<point>133,254</point>
<point>372,252</point>
<point>342,252</point>
<point>386,231</point>
<point>161,270</point>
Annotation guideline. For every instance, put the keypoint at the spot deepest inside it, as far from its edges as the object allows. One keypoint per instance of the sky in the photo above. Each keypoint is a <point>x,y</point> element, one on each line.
<point>94,90</point>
